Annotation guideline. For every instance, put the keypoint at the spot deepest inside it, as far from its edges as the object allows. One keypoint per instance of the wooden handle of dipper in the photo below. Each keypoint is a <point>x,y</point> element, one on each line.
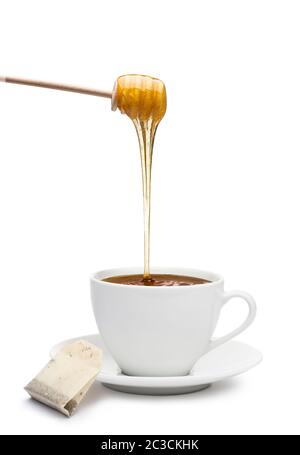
<point>56,86</point>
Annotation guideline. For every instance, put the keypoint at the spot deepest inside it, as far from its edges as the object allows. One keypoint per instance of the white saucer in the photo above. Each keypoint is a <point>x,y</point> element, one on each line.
<point>230,359</point>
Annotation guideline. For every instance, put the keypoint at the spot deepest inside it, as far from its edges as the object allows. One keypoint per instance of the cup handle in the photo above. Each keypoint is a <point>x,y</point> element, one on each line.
<point>251,315</point>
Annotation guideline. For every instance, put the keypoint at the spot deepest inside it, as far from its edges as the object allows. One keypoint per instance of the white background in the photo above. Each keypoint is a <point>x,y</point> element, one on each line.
<point>225,194</point>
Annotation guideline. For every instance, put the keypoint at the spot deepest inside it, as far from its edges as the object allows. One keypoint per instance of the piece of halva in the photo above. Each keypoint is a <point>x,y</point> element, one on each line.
<point>65,380</point>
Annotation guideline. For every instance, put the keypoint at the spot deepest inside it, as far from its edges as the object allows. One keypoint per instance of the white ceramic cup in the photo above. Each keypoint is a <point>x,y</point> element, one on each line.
<point>161,331</point>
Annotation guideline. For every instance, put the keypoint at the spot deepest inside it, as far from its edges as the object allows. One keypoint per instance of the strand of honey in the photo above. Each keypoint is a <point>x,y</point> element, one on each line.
<point>143,99</point>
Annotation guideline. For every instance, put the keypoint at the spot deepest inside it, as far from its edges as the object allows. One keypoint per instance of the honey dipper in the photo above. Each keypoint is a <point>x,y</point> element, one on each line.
<point>121,95</point>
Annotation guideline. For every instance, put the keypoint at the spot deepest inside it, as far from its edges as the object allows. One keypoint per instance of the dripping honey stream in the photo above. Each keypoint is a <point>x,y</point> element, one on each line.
<point>143,99</point>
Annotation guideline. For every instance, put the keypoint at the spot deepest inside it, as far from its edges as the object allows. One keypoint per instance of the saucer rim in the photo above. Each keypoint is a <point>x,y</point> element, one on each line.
<point>192,379</point>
